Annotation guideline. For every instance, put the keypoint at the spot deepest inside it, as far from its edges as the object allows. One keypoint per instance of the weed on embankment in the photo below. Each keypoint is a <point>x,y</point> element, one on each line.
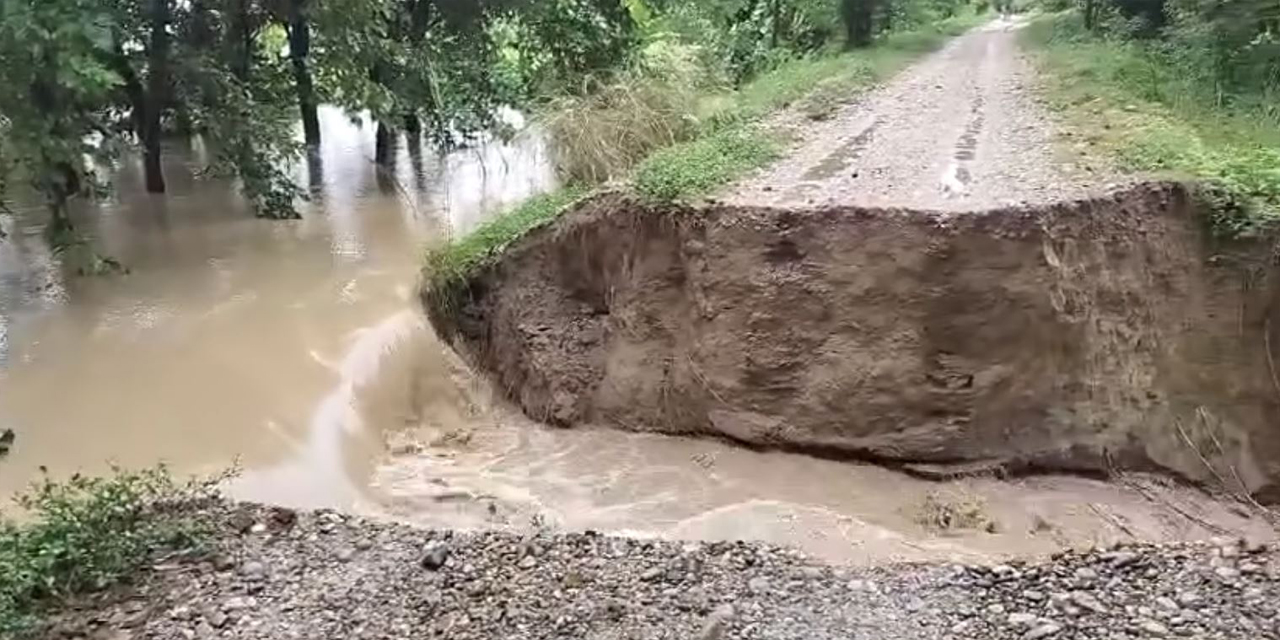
<point>86,534</point>
<point>1134,106</point>
<point>670,135</point>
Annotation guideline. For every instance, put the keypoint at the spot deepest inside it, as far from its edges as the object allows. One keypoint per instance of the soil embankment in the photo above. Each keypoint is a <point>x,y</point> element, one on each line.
<point>1085,336</point>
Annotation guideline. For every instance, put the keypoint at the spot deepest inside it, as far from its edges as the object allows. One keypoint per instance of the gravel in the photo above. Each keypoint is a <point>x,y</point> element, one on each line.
<point>287,580</point>
<point>1225,589</point>
<point>962,130</point>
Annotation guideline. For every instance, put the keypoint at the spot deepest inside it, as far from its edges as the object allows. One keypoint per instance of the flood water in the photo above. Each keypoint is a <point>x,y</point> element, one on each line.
<point>297,350</point>
<point>229,332</point>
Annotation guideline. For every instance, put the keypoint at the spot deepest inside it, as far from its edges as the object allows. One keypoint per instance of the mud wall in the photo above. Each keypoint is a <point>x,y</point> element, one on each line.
<point>1087,336</point>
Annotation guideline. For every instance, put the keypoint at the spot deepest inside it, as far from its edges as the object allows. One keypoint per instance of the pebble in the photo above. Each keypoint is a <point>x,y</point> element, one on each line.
<point>435,556</point>
<point>1151,627</point>
<point>253,570</point>
<point>1045,630</point>
<point>1021,619</point>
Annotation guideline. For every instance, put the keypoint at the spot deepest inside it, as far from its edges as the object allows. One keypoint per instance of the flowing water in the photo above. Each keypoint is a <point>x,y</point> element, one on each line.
<point>297,350</point>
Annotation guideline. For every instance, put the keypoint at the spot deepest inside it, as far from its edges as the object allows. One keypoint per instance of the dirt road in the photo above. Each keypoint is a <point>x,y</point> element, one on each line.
<point>959,131</point>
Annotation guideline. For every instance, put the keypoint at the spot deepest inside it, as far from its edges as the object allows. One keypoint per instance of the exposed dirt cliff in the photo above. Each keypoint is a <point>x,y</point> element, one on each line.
<point>1084,336</point>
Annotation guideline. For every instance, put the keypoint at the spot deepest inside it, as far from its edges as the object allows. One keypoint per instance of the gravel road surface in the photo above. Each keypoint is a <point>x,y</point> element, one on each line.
<point>276,574</point>
<point>961,130</point>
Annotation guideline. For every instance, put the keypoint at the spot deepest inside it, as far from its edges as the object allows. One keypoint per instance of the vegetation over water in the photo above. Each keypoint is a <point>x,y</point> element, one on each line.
<point>88,533</point>
<point>1176,86</point>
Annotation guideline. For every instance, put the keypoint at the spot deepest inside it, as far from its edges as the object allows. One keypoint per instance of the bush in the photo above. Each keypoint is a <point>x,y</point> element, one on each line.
<point>86,534</point>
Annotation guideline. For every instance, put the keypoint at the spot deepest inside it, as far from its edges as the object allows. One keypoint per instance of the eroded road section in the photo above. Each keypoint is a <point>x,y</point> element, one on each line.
<point>959,131</point>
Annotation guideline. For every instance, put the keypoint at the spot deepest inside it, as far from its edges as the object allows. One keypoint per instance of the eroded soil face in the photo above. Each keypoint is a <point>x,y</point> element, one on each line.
<point>1086,336</point>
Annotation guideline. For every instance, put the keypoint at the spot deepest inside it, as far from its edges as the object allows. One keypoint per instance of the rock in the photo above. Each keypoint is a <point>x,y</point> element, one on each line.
<point>1153,628</point>
<point>1045,630</point>
<point>1086,601</point>
<point>1227,573</point>
<point>1021,620</point>
<point>1120,559</point>
<point>527,562</point>
<point>363,544</point>
<point>1085,573</point>
<point>238,603</point>
<point>436,555</point>
<point>995,609</point>
<point>1167,603</point>
<point>253,570</point>
<point>222,562</point>
<point>344,554</point>
<point>717,623</point>
<point>180,613</point>
<point>216,619</point>
<point>283,517</point>
<point>758,585</point>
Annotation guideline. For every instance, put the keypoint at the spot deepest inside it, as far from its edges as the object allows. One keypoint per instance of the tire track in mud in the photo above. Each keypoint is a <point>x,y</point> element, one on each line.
<point>958,178</point>
<point>958,131</point>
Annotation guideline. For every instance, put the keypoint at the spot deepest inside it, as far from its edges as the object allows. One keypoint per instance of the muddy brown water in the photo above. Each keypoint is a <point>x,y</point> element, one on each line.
<point>298,351</point>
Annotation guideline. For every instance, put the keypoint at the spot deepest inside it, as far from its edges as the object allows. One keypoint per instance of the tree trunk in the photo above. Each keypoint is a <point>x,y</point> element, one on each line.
<point>1088,14</point>
<point>240,40</point>
<point>299,49</point>
<point>412,126</point>
<point>775,23</point>
<point>384,145</point>
<point>857,16</point>
<point>152,101</point>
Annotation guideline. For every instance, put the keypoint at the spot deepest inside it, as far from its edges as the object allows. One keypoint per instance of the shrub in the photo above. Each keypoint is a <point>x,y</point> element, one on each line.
<point>88,533</point>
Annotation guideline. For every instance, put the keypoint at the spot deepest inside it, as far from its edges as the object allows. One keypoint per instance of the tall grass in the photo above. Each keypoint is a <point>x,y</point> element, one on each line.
<point>601,133</point>
<point>1153,112</point>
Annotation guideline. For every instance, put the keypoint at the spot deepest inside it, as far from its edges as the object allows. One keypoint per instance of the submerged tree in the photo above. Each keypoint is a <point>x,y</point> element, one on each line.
<point>55,107</point>
<point>140,55</point>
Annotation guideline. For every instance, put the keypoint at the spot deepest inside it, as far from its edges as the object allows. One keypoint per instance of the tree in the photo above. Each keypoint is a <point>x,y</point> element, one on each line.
<point>54,109</point>
<point>140,54</point>
<point>858,21</point>
<point>299,30</point>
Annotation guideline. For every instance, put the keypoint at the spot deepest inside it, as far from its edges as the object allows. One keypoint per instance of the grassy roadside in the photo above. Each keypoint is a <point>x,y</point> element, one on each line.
<point>1130,108</point>
<point>726,142</point>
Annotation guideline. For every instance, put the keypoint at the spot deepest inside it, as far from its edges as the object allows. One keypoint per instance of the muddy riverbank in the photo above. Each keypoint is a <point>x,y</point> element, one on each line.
<point>1103,334</point>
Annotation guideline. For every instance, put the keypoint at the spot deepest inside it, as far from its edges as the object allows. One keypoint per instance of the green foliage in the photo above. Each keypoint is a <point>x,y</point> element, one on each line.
<point>695,167</point>
<point>1149,110</point>
<point>86,534</point>
<point>54,109</point>
<point>449,264</point>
